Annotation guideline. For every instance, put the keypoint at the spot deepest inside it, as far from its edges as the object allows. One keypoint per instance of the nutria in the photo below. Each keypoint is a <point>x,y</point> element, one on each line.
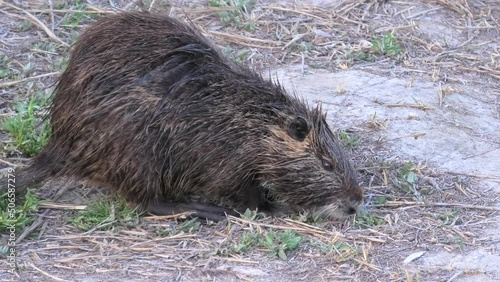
<point>150,107</point>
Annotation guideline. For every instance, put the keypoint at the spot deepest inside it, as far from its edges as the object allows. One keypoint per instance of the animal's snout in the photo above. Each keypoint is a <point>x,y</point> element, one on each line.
<point>351,210</point>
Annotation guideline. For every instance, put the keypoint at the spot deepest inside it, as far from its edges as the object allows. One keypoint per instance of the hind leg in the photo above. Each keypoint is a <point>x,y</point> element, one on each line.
<point>201,210</point>
<point>20,182</point>
<point>47,164</point>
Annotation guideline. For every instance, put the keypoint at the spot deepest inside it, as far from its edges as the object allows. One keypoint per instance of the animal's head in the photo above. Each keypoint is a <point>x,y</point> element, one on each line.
<point>306,168</point>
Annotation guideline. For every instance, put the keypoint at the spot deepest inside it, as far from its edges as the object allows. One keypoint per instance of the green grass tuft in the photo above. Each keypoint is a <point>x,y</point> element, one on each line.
<point>367,220</point>
<point>29,132</point>
<point>5,69</point>
<point>349,141</point>
<point>12,214</point>
<point>25,25</point>
<point>104,214</point>
<point>76,18</point>
<point>279,243</point>
<point>248,241</point>
<point>238,16</point>
<point>189,226</point>
<point>386,45</point>
<point>407,178</point>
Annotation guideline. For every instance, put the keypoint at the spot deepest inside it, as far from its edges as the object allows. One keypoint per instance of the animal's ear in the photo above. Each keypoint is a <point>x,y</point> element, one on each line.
<point>298,129</point>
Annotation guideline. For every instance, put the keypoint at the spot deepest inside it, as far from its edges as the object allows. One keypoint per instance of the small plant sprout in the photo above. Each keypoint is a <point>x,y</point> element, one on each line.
<point>239,16</point>
<point>29,131</point>
<point>386,45</point>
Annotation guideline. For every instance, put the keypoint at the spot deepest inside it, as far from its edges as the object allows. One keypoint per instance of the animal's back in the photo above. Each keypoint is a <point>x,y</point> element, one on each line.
<point>125,50</point>
<point>134,85</point>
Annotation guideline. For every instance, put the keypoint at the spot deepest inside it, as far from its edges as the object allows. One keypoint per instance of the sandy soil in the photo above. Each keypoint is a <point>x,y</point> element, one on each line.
<point>456,135</point>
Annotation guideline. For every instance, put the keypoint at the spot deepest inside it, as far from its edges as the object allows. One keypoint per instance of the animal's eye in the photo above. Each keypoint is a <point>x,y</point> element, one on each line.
<point>298,129</point>
<point>327,165</point>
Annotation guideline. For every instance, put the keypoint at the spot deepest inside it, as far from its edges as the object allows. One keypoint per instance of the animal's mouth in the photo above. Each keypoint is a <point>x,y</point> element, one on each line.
<point>353,209</point>
<point>334,210</point>
<point>337,211</point>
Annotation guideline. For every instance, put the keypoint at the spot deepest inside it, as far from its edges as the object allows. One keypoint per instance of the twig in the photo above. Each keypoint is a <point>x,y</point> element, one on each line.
<point>37,22</point>
<point>52,19</point>
<point>367,264</point>
<point>302,65</point>
<point>417,106</point>
<point>423,13</point>
<point>480,154</point>
<point>440,94</point>
<point>100,11</point>
<point>293,11</point>
<point>394,28</point>
<point>45,273</point>
<point>294,39</point>
<point>236,260</point>
<point>313,231</point>
<point>46,29</point>
<point>131,4</point>
<point>65,11</point>
<point>10,83</point>
<point>481,70</point>
<point>8,163</point>
<point>287,220</point>
<point>257,46</point>
<point>242,38</point>
<point>455,276</point>
<point>32,227</point>
<point>494,178</point>
<point>56,206</point>
<point>151,5</point>
<point>41,217</point>
<point>5,170</point>
<point>457,205</point>
<point>414,135</point>
<point>163,217</point>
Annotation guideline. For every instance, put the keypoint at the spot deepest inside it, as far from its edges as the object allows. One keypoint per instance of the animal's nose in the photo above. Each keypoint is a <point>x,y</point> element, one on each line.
<point>351,210</point>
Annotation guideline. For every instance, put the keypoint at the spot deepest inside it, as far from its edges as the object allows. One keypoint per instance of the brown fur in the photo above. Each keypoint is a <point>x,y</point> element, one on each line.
<point>151,108</point>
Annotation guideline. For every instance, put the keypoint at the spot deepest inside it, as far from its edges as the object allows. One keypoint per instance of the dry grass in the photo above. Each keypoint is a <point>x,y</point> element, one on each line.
<point>436,211</point>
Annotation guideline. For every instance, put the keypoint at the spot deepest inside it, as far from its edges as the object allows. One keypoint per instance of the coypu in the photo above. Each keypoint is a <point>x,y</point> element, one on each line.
<point>151,108</point>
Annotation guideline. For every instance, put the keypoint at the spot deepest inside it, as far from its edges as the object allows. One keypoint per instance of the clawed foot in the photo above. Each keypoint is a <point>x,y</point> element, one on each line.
<point>200,210</point>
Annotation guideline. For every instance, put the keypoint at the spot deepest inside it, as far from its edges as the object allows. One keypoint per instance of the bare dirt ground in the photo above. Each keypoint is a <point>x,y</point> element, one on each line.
<point>435,102</point>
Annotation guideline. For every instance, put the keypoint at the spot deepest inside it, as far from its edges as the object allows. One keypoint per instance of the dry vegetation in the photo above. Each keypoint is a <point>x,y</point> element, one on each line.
<point>410,207</point>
